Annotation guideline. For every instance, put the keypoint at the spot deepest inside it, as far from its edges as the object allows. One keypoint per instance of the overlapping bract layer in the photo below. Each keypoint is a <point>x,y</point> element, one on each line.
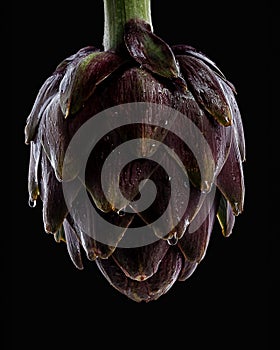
<point>146,69</point>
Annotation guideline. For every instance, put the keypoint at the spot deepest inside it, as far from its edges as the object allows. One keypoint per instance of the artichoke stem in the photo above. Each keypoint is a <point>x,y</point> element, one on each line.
<point>117,13</point>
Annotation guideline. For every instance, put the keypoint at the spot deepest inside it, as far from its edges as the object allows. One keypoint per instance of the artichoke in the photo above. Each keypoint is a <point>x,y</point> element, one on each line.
<point>188,122</point>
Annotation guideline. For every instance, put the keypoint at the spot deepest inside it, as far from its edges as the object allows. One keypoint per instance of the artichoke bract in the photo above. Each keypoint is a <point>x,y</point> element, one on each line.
<point>186,138</point>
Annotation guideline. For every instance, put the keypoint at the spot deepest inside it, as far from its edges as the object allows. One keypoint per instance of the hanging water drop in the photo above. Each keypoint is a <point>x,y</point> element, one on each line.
<point>120,212</point>
<point>236,208</point>
<point>173,240</point>
<point>32,203</point>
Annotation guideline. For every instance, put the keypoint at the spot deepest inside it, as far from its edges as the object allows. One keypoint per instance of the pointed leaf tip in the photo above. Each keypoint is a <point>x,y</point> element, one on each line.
<point>230,180</point>
<point>225,217</point>
<point>73,244</point>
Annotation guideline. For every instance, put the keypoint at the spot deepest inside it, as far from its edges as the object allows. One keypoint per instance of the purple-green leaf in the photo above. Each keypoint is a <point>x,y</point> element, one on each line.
<point>81,80</point>
<point>225,217</point>
<point>44,97</point>
<point>34,162</point>
<point>236,117</point>
<point>53,133</point>
<point>230,181</point>
<point>48,90</point>
<point>195,240</point>
<point>149,50</point>
<point>54,206</point>
<point>147,290</point>
<point>205,87</point>
<point>73,244</point>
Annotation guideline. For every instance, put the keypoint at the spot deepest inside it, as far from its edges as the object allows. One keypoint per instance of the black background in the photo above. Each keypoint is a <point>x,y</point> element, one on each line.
<point>225,302</point>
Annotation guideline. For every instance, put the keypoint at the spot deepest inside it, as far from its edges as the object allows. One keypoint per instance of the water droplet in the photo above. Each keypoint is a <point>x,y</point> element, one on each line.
<point>173,240</point>
<point>32,203</point>
<point>236,208</point>
<point>169,178</point>
<point>166,122</point>
<point>205,186</point>
<point>91,255</point>
<point>121,213</point>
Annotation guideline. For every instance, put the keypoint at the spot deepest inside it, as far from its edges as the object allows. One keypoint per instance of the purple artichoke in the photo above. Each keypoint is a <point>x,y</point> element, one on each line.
<point>142,68</point>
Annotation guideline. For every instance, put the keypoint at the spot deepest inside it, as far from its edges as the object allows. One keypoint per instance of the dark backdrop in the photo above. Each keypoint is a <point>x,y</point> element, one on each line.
<point>224,303</point>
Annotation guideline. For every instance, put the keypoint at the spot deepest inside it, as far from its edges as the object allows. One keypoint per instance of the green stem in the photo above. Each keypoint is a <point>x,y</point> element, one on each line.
<point>117,13</point>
